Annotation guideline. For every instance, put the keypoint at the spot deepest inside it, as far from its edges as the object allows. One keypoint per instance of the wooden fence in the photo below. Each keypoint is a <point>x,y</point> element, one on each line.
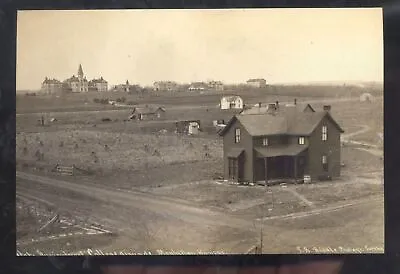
<point>65,170</point>
<point>71,170</point>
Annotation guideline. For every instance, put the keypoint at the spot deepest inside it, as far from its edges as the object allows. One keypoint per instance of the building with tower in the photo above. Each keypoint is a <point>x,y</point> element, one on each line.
<point>77,83</point>
<point>74,84</point>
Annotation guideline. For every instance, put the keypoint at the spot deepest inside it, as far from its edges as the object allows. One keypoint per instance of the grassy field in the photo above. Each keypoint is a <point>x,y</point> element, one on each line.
<point>353,115</point>
<point>75,102</point>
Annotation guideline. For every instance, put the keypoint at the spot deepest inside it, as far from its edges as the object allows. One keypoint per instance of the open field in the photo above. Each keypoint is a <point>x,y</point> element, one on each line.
<point>70,102</point>
<point>166,180</point>
<point>353,115</point>
<point>110,151</point>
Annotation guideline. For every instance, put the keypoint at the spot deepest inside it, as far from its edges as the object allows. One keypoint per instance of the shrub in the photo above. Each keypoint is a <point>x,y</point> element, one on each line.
<point>96,100</point>
<point>123,99</point>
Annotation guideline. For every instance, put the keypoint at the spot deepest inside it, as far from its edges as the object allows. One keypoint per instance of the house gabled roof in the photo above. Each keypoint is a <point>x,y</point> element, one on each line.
<point>264,108</point>
<point>231,98</point>
<point>289,122</point>
<point>100,80</point>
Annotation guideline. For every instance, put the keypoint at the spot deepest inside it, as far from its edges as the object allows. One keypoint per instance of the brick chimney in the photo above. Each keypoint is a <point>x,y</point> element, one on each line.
<point>259,104</point>
<point>327,107</point>
<point>295,101</point>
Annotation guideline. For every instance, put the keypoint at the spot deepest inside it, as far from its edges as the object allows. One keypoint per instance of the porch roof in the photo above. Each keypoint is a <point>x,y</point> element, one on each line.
<point>235,152</point>
<point>287,150</point>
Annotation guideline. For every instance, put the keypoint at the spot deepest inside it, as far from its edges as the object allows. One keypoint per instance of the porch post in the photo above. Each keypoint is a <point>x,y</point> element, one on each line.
<point>265,171</point>
<point>286,175</point>
<point>295,168</point>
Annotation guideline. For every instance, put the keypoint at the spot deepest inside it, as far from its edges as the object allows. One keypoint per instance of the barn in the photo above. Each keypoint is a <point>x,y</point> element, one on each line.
<point>147,113</point>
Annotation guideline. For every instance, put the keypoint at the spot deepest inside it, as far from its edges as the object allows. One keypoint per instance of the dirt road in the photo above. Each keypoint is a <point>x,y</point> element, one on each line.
<point>146,221</point>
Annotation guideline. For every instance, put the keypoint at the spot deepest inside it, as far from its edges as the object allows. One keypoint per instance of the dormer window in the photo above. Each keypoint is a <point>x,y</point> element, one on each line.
<point>324,133</point>
<point>237,135</point>
<point>265,141</point>
<point>301,140</point>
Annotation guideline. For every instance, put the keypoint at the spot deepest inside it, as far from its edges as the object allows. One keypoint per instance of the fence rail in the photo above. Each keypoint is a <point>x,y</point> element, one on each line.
<point>65,170</point>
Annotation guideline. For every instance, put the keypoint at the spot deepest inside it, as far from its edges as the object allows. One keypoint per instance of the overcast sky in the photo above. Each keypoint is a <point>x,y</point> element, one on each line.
<point>143,46</point>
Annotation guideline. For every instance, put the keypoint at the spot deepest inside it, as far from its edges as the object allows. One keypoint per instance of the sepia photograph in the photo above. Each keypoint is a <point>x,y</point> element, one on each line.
<point>174,132</point>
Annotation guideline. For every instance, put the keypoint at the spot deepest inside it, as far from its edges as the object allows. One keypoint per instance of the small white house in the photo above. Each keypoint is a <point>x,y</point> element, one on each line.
<point>366,97</point>
<point>231,102</point>
<point>193,128</point>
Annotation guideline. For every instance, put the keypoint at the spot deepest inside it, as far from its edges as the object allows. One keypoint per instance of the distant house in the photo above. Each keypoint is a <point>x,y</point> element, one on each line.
<point>200,86</point>
<point>257,83</point>
<point>126,87</point>
<point>99,85</point>
<point>147,113</point>
<point>216,85</point>
<point>51,86</point>
<point>165,86</point>
<point>366,97</point>
<point>283,144</point>
<point>231,102</point>
<point>190,127</point>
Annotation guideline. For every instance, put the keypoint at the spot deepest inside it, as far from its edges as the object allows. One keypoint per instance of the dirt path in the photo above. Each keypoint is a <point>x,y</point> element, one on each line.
<point>177,225</point>
<point>347,136</point>
<point>370,148</point>
<point>318,211</point>
<point>300,197</point>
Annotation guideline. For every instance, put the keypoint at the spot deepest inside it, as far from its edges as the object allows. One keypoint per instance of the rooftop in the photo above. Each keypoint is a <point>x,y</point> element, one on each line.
<point>286,120</point>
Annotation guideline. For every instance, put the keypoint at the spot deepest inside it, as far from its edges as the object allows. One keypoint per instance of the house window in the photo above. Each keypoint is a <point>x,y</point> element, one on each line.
<point>301,140</point>
<point>325,162</point>
<point>237,135</point>
<point>265,141</point>
<point>232,168</point>
<point>324,133</point>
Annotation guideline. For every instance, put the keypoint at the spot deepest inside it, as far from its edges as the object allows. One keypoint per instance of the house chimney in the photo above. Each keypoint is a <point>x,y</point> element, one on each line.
<point>295,101</point>
<point>327,107</point>
<point>277,104</point>
<point>259,104</point>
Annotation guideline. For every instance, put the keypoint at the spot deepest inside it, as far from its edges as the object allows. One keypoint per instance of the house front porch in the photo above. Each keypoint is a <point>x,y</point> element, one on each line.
<point>284,164</point>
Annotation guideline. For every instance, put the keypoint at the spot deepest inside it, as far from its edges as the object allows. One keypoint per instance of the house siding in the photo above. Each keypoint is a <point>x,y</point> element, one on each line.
<point>272,140</point>
<point>294,140</point>
<point>318,148</point>
<point>246,142</point>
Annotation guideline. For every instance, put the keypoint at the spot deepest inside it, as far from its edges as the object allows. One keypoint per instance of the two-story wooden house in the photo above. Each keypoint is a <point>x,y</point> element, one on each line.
<point>282,144</point>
